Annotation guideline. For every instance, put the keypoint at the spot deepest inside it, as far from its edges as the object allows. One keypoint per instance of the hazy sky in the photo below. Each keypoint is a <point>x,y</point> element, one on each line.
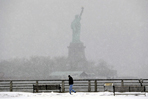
<point>113,30</point>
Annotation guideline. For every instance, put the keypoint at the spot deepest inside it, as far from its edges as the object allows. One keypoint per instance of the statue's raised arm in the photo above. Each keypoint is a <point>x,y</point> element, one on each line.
<point>81,12</point>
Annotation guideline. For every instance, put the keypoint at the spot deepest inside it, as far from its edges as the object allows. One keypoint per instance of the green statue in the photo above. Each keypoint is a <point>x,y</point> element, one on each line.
<point>76,27</point>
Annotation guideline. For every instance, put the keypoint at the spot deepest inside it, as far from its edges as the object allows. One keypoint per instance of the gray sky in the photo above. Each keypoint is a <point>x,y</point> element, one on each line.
<point>113,30</point>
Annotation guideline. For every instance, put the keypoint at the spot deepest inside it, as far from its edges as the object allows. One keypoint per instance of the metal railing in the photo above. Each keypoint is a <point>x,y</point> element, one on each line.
<point>80,85</point>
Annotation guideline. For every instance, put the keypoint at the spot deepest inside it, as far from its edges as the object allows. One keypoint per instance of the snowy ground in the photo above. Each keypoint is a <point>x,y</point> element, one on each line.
<point>78,95</point>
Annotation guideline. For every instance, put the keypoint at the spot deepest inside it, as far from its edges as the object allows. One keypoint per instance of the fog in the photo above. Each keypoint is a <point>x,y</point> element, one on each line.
<point>112,30</point>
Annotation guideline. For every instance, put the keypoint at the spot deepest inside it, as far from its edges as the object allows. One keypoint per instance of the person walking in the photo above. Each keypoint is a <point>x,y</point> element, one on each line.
<point>71,84</point>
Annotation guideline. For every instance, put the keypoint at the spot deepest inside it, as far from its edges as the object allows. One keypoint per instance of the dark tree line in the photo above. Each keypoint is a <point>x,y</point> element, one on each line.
<point>40,67</point>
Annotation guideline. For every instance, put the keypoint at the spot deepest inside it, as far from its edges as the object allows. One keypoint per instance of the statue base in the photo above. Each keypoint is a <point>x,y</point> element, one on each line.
<point>76,56</point>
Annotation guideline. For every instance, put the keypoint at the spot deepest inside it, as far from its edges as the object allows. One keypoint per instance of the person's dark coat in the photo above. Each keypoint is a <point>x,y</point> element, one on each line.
<point>70,80</point>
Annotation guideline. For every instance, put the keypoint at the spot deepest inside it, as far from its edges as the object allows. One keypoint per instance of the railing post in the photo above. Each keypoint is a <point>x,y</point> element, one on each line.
<point>37,86</point>
<point>63,86</point>
<point>95,85</point>
<point>122,83</point>
<point>141,81</point>
<point>11,86</point>
<point>89,86</point>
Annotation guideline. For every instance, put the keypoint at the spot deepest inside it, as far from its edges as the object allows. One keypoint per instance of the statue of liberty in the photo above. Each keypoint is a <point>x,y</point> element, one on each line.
<point>76,27</point>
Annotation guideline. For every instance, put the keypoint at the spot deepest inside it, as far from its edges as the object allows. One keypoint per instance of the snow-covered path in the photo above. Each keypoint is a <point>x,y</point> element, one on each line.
<point>78,95</point>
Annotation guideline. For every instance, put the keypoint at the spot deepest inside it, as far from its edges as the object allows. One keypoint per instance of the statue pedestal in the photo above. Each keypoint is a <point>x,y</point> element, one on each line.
<point>76,56</point>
